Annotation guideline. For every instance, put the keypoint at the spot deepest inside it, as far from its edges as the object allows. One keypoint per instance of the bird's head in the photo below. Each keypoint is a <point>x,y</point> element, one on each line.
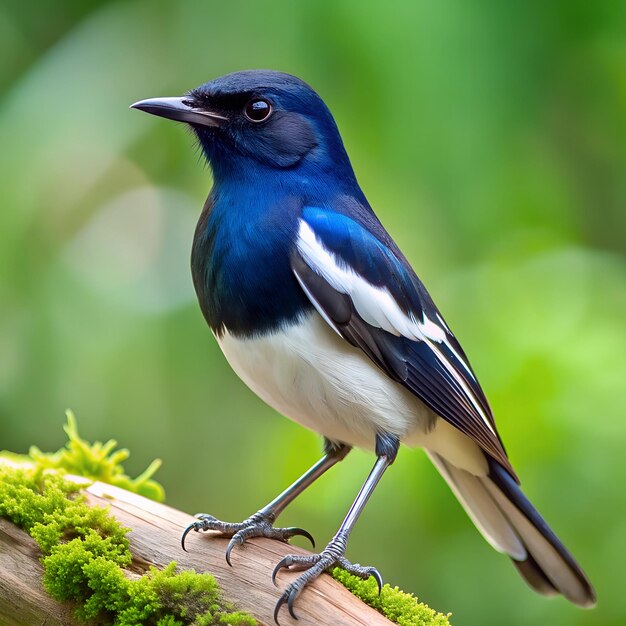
<point>257,119</point>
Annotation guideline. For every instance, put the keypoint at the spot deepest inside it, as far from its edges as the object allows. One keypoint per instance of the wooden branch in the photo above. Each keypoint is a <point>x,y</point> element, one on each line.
<point>155,540</point>
<point>23,600</point>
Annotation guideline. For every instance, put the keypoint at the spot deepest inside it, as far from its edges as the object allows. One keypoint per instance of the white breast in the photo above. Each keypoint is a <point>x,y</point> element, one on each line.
<point>311,375</point>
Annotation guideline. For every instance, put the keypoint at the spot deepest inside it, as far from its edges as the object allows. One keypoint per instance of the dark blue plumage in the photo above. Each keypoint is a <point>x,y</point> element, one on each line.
<point>262,181</point>
<point>320,313</point>
<point>300,126</point>
<point>240,262</point>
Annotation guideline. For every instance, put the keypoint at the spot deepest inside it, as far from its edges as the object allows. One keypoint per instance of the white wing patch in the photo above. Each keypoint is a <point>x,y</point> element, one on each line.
<point>374,304</point>
<point>377,306</point>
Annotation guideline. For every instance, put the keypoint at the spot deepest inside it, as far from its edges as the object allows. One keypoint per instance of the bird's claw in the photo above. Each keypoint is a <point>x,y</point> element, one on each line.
<point>258,525</point>
<point>313,565</point>
<point>361,571</point>
<point>288,596</point>
<point>295,562</point>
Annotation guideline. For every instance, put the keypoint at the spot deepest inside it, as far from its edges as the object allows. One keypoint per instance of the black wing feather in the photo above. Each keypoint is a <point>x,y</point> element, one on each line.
<point>414,364</point>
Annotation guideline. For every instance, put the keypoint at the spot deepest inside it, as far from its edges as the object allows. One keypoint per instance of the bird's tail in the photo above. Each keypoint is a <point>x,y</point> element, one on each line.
<point>512,525</point>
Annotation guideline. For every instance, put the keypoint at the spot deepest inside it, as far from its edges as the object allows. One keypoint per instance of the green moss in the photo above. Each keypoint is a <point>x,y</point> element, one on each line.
<point>85,551</point>
<point>398,606</point>
<point>98,461</point>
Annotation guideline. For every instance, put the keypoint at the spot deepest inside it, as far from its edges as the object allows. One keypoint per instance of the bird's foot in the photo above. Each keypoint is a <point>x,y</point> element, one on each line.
<point>314,565</point>
<point>257,525</point>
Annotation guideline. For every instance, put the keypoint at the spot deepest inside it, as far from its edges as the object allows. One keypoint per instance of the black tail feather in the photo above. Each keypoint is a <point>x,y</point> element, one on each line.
<point>530,568</point>
<point>533,574</point>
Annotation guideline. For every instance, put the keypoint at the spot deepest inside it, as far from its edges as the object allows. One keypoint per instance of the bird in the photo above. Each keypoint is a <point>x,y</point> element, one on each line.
<point>322,316</point>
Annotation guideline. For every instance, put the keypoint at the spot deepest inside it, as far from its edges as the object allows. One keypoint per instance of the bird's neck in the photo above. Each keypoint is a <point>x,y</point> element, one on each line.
<point>317,179</point>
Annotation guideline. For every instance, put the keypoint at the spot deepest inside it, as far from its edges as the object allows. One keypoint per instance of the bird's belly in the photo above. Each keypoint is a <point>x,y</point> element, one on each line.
<point>311,375</point>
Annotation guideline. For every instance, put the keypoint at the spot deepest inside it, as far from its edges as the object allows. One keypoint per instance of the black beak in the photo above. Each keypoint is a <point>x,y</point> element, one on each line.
<point>180,110</point>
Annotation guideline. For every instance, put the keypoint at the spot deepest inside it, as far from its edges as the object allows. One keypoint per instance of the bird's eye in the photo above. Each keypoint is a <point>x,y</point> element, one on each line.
<point>258,110</point>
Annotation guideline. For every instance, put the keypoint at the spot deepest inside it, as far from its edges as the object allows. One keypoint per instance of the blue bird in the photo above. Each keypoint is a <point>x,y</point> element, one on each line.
<point>321,315</point>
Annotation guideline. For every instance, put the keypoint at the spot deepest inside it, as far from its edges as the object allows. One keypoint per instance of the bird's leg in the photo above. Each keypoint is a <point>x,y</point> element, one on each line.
<point>261,523</point>
<point>334,553</point>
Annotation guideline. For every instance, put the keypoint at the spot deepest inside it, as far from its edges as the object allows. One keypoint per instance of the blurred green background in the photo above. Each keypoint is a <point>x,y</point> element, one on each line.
<point>491,139</point>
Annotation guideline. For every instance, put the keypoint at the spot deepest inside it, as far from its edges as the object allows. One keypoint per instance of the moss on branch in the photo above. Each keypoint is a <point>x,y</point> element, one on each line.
<point>86,553</point>
<point>398,606</point>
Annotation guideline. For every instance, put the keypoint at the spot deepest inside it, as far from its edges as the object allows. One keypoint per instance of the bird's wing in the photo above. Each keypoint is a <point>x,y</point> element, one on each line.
<point>368,293</point>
